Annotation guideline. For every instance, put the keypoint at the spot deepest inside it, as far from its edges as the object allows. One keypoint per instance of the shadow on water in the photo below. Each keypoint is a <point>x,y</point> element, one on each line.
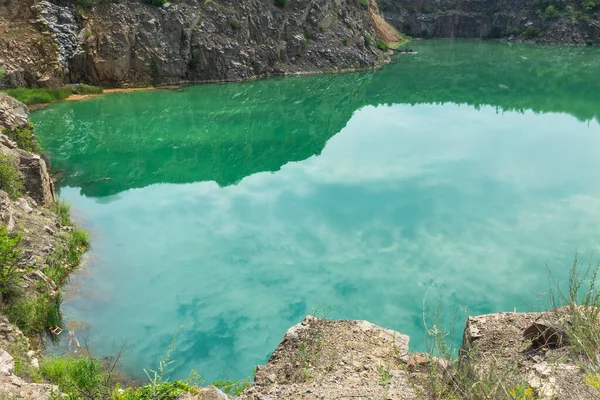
<point>224,133</point>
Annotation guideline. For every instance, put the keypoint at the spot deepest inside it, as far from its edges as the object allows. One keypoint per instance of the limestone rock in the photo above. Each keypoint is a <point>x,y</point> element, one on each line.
<point>12,386</point>
<point>13,114</point>
<point>324,359</point>
<point>23,215</point>
<point>497,342</point>
<point>32,167</point>
<point>128,42</point>
<point>7,363</point>
<point>38,183</point>
<point>207,393</point>
<point>485,19</point>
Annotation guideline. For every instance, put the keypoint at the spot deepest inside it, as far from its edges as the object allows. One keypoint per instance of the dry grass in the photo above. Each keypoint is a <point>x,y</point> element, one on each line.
<point>498,361</point>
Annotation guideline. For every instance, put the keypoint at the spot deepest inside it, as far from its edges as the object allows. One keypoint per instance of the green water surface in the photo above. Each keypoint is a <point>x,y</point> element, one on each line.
<point>232,211</point>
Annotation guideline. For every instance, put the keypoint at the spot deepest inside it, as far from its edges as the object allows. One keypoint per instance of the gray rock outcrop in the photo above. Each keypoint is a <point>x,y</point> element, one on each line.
<point>325,359</point>
<point>32,168</point>
<point>491,19</point>
<point>129,42</point>
<point>506,344</point>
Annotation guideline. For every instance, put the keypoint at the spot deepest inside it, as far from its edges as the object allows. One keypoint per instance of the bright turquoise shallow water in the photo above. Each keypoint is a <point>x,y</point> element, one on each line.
<point>234,210</point>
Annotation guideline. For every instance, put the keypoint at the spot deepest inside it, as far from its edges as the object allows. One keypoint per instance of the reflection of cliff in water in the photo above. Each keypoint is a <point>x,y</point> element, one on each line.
<point>223,133</point>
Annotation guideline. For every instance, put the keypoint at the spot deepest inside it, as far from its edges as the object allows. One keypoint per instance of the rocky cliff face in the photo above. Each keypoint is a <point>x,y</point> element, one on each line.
<point>493,19</point>
<point>129,42</point>
<point>32,168</point>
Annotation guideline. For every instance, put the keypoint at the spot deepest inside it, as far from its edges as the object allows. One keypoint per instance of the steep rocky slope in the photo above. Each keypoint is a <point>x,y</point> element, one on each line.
<point>493,19</point>
<point>47,43</point>
<point>44,248</point>
<point>32,168</point>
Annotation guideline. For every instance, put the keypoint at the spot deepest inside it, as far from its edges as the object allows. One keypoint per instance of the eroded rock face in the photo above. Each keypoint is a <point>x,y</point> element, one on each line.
<point>32,168</point>
<point>13,113</point>
<point>487,19</point>
<point>129,42</point>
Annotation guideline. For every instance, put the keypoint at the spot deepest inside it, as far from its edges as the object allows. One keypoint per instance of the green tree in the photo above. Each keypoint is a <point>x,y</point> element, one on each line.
<point>9,257</point>
<point>552,12</point>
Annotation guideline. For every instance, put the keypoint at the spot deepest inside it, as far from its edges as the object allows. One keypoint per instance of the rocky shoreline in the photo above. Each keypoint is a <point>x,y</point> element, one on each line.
<point>44,242</point>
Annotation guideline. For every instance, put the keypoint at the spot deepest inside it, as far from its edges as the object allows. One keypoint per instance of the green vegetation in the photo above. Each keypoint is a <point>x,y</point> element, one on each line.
<point>45,96</point>
<point>281,3</point>
<point>385,374</point>
<point>381,45</point>
<point>10,181</point>
<point>9,256</point>
<point>158,391</point>
<point>236,25</point>
<point>531,33</point>
<point>24,138</point>
<point>551,13</point>
<point>2,73</point>
<point>368,40</point>
<point>37,315</point>
<point>82,89</point>
<point>582,303</point>
<point>364,4</point>
<point>62,209</point>
<point>78,378</point>
<point>588,6</point>
<point>156,3</point>
<point>86,378</point>
<point>233,388</point>
<point>577,311</point>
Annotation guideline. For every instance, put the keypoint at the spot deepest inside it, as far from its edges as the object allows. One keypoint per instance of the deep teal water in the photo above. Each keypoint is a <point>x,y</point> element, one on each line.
<point>232,211</point>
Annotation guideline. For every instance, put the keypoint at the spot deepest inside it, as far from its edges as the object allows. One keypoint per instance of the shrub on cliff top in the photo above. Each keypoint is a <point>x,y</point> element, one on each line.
<point>10,181</point>
<point>24,138</point>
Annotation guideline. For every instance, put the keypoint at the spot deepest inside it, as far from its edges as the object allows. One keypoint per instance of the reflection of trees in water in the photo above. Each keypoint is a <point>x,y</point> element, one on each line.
<point>224,133</point>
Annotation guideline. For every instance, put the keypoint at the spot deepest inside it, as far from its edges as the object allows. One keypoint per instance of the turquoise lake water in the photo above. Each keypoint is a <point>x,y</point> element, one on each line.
<point>232,211</point>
